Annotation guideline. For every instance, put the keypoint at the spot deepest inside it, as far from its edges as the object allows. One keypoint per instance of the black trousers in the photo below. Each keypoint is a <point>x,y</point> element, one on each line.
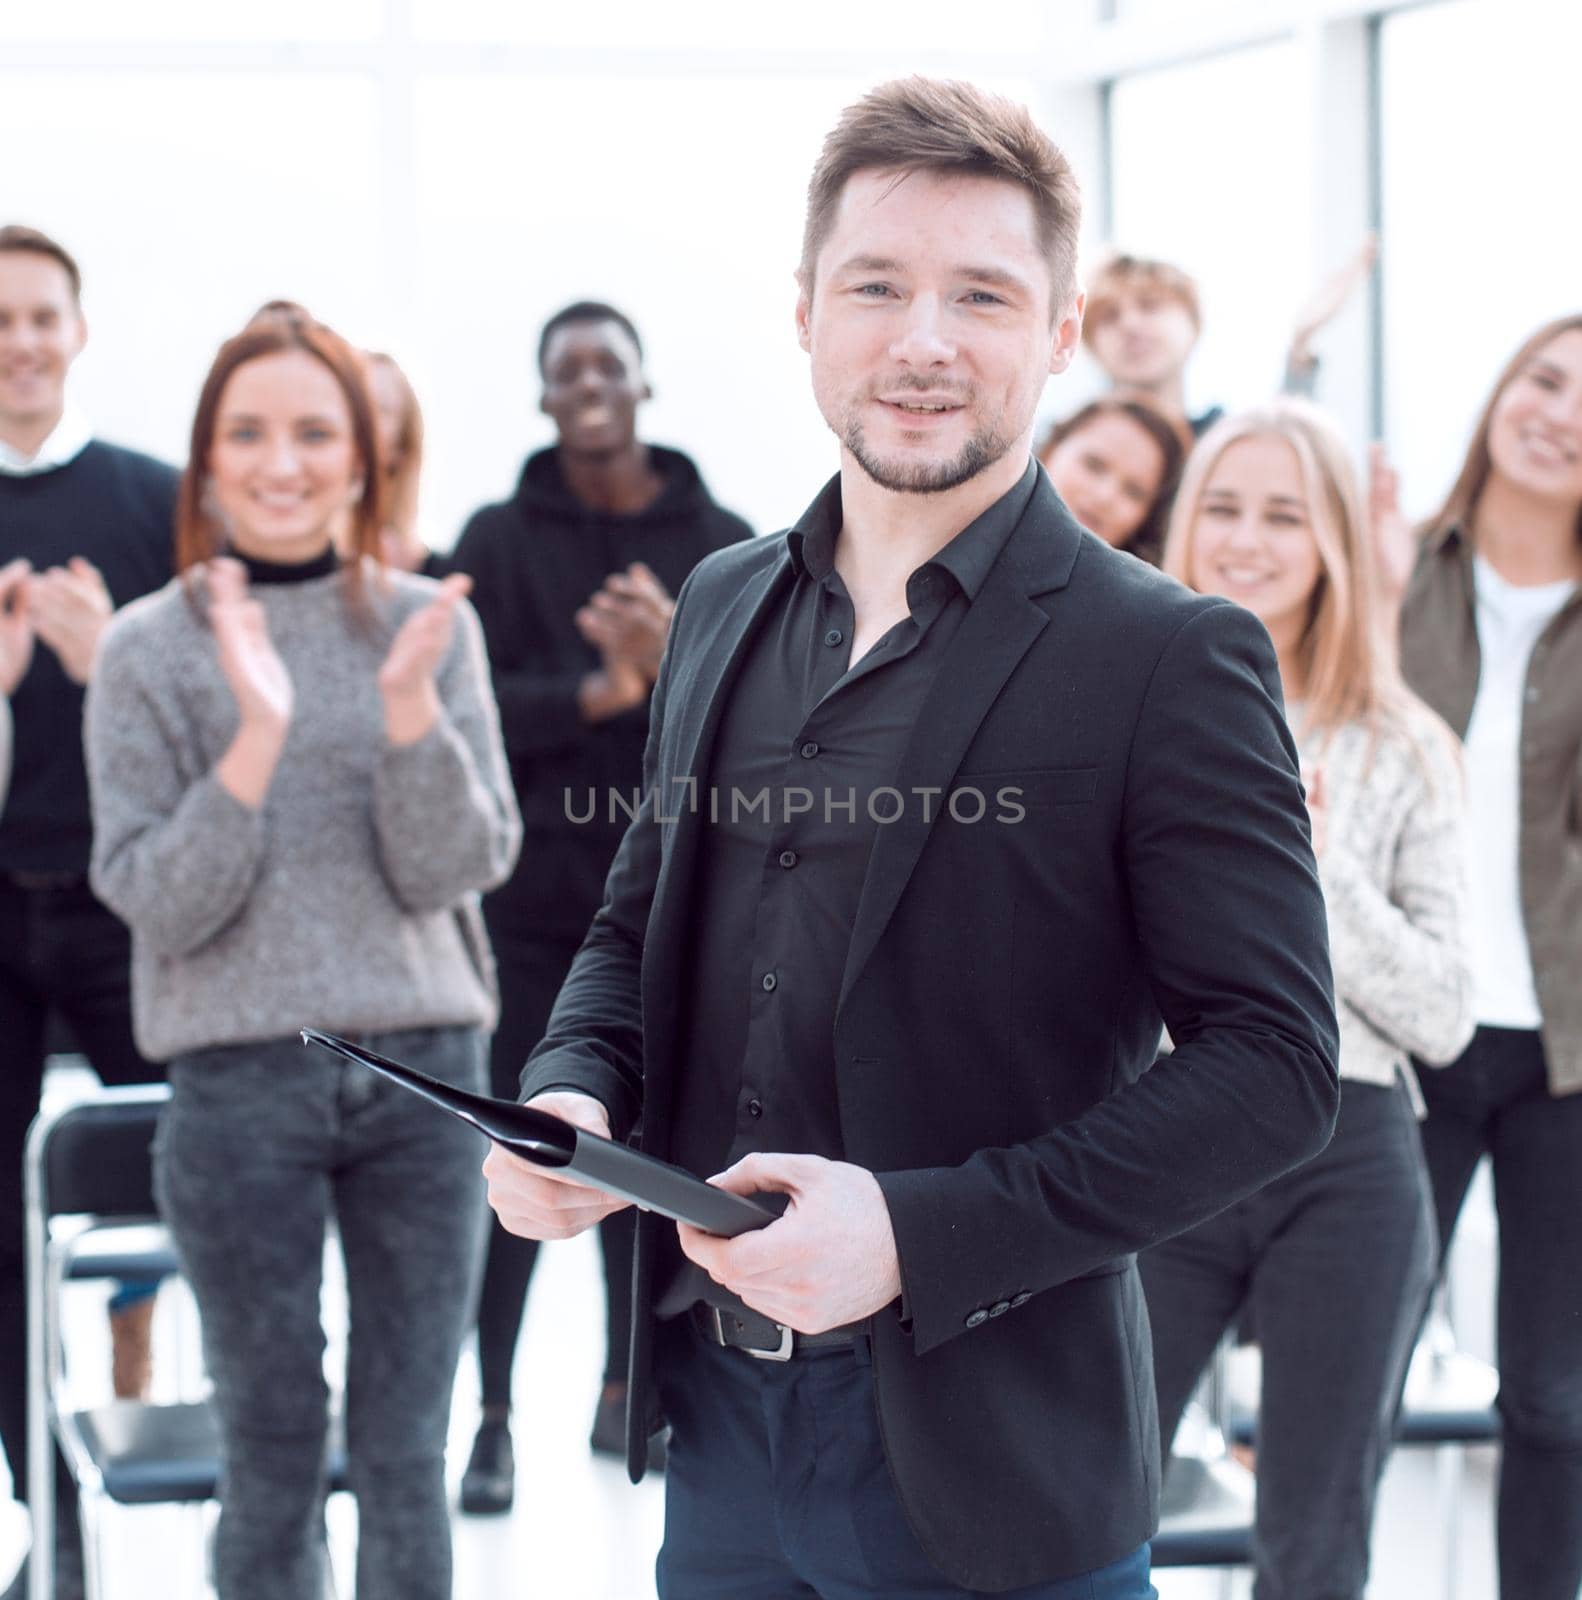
<point>1336,1261</point>
<point>61,953</point>
<point>531,973</point>
<point>1495,1100</point>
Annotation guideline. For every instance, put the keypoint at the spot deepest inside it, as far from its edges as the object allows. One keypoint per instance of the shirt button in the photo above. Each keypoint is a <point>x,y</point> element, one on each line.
<point>999,1308</point>
<point>788,858</point>
<point>1021,1299</point>
<point>809,750</point>
<point>833,637</point>
<point>770,980</point>
<point>755,1109</point>
<point>977,1318</point>
<point>1532,692</point>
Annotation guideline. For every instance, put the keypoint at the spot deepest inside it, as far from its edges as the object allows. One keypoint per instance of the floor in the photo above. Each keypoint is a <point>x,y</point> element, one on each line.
<point>580,1531</point>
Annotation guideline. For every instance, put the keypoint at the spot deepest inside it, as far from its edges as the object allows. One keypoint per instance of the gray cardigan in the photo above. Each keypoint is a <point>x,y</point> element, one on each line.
<point>1394,879</point>
<point>349,900</point>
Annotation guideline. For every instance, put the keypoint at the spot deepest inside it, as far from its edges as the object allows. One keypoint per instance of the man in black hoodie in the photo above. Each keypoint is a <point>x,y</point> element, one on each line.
<point>573,579</point>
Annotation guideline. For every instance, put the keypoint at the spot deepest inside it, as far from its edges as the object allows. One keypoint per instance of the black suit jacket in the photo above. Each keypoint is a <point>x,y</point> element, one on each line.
<point>998,1025</point>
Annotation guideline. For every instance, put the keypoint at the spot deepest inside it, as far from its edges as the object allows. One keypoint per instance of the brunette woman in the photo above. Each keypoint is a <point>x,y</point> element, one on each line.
<point>299,790</point>
<point>1334,1260</point>
<point>1116,463</point>
<point>1491,637</point>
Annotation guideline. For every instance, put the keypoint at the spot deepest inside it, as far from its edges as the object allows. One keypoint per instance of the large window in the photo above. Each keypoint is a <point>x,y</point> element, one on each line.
<point>1209,169</point>
<point>1482,231</point>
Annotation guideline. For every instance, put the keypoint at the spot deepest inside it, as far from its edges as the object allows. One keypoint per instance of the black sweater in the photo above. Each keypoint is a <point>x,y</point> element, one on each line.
<point>534,560</point>
<point>115,508</point>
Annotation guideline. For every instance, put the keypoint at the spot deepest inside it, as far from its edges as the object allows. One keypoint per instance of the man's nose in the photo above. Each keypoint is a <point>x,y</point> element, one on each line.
<point>923,340</point>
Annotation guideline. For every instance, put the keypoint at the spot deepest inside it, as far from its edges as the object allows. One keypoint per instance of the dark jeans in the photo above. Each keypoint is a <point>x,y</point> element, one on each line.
<point>1496,1100</point>
<point>777,1487</point>
<point>1336,1261</point>
<point>61,952</point>
<point>261,1146</point>
<point>531,974</point>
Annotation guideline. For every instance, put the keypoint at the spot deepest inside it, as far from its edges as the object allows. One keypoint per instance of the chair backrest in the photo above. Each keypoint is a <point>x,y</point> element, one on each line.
<point>94,1157</point>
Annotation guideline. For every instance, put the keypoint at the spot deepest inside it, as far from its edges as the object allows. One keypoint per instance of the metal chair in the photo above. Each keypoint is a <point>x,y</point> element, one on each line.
<point>88,1174</point>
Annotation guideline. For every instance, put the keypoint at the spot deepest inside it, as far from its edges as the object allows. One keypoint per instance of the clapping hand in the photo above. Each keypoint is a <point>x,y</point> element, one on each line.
<point>16,626</point>
<point>628,620</point>
<point>252,667</point>
<point>406,679</point>
<point>69,607</point>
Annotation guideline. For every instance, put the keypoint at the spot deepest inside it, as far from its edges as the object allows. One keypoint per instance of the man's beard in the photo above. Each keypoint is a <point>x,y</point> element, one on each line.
<point>982,450</point>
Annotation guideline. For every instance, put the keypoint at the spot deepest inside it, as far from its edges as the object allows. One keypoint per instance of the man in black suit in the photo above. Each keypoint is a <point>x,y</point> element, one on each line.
<point>948,807</point>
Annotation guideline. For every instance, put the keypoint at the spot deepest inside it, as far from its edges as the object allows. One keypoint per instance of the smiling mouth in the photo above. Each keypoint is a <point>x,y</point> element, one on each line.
<point>1547,448</point>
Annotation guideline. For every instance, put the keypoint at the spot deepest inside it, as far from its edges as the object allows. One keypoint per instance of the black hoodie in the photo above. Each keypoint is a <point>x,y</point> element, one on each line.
<point>534,560</point>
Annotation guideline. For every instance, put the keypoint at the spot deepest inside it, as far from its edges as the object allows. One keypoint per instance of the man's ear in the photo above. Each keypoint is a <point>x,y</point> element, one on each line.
<point>1067,334</point>
<point>543,401</point>
<point>82,333</point>
<point>804,309</point>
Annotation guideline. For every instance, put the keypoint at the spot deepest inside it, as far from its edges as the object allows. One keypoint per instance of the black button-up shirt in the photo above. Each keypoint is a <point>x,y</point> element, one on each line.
<point>801,779</point>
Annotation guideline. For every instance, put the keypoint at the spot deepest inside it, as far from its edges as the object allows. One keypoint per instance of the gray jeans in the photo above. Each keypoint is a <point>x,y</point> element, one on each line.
<point>261,1145</point>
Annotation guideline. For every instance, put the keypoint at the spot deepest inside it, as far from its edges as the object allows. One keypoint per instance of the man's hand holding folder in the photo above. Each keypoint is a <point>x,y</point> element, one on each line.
<point>540,1202</point>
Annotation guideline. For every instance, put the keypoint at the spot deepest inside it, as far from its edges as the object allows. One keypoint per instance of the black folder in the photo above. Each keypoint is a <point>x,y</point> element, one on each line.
<point>546,1141</point>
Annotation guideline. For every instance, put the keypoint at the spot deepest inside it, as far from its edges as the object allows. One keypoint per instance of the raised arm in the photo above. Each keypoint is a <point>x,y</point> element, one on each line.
<point>177,847</point>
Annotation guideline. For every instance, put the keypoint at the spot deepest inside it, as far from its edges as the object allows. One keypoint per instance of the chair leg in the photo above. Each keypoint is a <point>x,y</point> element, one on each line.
<point>1452,1462</point>
<point>90,1515</point>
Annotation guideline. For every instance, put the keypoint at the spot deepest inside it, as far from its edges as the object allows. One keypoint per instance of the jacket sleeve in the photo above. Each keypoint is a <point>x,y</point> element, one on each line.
<point>1399,954</point>
<point>594,1040</point>
<point>538,709</point>
<point>444,813</point>
<point>1229,924</point>
<point>175,855</point>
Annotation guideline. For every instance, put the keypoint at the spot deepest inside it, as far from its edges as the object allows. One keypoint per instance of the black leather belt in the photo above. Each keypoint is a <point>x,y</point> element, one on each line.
<point>765,1340</point>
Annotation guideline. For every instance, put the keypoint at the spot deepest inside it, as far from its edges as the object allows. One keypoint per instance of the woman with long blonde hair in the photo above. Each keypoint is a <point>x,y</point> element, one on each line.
<point>1335,1260</point>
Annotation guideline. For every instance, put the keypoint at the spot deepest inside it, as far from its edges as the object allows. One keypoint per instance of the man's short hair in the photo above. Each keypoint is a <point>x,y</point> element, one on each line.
<point>920,124</point>
<point>585,311</point>
<point>1123,274</point>
<point>16,238</point>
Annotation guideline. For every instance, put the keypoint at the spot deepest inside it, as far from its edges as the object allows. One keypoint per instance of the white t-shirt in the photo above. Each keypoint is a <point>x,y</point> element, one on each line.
<point>1510,620</point>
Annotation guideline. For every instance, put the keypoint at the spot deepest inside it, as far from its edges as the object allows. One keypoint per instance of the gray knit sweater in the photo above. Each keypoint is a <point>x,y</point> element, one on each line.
<point>1394,880</point>
<point>349,900</point>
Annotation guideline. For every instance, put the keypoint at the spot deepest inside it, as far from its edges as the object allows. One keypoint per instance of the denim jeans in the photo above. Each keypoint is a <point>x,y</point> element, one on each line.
<point>1335,1260</point>
<point>776,1487</point>
<point>262,1145</point>
<point>1495,1099</point>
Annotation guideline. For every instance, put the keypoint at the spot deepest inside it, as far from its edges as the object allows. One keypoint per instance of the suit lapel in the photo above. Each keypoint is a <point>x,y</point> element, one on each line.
<point>698,693</point>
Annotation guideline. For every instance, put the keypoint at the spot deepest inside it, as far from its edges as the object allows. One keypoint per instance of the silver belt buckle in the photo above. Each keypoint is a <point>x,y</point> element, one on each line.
<point>781,1352</point>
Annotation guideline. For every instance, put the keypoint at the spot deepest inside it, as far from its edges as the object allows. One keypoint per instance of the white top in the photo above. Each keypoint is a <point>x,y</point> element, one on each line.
<point>71,436</point>
<point>1510,620</point>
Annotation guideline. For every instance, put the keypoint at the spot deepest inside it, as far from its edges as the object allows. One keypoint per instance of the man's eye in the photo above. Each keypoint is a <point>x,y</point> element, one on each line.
<point>982,297</point>
<point>242,433</point>
<point>873,290</point>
